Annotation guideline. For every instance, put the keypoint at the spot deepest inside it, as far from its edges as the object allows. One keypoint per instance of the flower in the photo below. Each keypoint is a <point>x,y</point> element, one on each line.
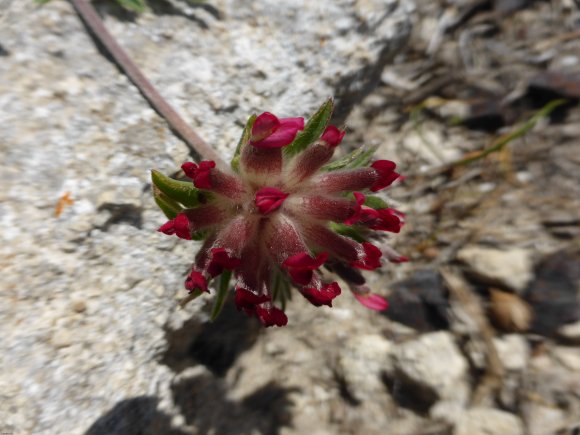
<point>280,214</point>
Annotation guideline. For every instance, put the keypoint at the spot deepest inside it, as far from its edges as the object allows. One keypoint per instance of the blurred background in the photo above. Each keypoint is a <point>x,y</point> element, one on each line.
<point>476,100</point>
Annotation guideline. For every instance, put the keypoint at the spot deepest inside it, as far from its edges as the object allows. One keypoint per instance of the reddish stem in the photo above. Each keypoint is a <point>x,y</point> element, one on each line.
<point>199,148</point>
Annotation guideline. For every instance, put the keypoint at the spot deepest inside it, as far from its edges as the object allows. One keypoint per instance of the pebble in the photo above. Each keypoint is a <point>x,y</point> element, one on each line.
<point>511,268</point>
<point>361,363</point>
<point>434,361</point>
<point>487,421</point>
<point>513,351</point>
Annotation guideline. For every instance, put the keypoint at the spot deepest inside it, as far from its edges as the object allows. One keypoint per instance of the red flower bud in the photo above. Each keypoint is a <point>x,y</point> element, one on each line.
<point>270,132</point>
<point>195,280</point>
<point>332,136</point>
<point>387,174</point>
<point>200,174</point>
<point>178,226</point>
<point>372,301</point>
<point>370,259</point>
<point>301,266</point>
<point>248,301</point>
<point>221,260</point>
<point>322,296</point>
<point>271,316</point>
<point>269,199</point>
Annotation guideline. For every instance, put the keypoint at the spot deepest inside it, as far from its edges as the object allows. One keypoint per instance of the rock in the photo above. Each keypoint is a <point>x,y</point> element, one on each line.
<point>509,311</point>
<point>362,362</point>
<point>542,419</point>
<point>548,396</point>
<point>569,357</point>
<point>79,306</point>
<point>554,293</point>
<point>510,268</point>
<point>433,363</point>
<point>570,332</point>
<point>487,421</point>
<point>419,301</point>
<point>62,338</point>
<point>72,123</point>
<point>513,351</point>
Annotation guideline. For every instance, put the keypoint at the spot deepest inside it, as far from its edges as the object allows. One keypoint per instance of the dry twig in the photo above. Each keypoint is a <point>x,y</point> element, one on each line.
<point>467,305</point>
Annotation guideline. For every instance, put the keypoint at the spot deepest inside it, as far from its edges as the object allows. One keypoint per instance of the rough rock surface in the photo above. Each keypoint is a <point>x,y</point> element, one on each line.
<point>362,362</point>
<point>88,301</point>
<point>433,362</point>
<point>484,421</point>
<point>511,268</point>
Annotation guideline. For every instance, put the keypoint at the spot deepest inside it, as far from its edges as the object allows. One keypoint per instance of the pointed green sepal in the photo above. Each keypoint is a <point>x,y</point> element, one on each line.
<point>348,231</point>
<point>183,192</point>
<point>356,159</point>
<point>222,291</point>
<point>371,201</point>
<point>235,164</point>
<point>312,130</point>
<point>169,207</point>
<point>375,202</point>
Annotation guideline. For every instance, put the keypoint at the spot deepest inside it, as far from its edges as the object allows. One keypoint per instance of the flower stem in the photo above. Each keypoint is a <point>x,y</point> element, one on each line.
<point>198,147</point>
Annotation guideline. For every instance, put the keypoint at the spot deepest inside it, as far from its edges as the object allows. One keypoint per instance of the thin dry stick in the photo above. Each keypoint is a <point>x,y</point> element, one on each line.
<point>471,306</point>
<point>199,148</point>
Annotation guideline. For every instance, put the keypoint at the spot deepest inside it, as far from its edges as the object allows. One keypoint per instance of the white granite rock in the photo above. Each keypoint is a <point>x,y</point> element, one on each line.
<point>362,362</point>
<point>72,123</point>
<point>434,362</point>
<point>513,351</point>
<point>511,268</point>
<point>487,421</point>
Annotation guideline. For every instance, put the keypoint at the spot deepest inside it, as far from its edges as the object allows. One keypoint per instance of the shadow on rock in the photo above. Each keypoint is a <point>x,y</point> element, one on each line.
<point>138,416</point>
<point>160,7</point>
<point>203,402</point>
<point>420,302</point>
<point>216,344</point>
<point>553,294</point>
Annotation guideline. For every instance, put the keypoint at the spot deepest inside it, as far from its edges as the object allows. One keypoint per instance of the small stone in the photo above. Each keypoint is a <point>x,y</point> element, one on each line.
<point>569,357</point>
<point>553,294</point>
<point>509,312</point>
<point>61,338</point>
<point>511,268</point>
<point>79,306</point>
<point>570,332</point>
<point>543,419</point>
<point>487,421</point>
<point>361,363</point>
<point>420,302</point>
<point>435,363</point>
<point>513,351</point>
<point>449,412</point>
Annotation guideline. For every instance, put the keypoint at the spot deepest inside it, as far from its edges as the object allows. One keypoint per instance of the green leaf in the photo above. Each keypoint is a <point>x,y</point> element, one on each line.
<point>169,207</point>
<point>356,159</point>
<point>41,2</point>
<point>133,5</point>
<point>182,191</point>
<point>312,130</point>
<point>505,139</point>
<point>348,231</point>
<point>243,140</point>
<point>221,294</point>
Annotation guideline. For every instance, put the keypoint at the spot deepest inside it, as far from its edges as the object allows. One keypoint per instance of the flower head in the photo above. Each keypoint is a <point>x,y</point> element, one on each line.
<point>280,214</point>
